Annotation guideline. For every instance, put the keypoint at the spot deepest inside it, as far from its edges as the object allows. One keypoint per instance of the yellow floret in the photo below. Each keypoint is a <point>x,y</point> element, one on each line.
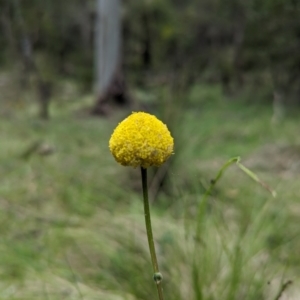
<point>141,140</point>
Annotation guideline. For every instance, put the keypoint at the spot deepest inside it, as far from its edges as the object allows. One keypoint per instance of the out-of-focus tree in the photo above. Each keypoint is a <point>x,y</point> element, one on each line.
<point>273,43</point>
<point>108,42</point>
<point>237,43</point>
<point>109,78</point>
<point>240,44</point>
<point>52,40</point>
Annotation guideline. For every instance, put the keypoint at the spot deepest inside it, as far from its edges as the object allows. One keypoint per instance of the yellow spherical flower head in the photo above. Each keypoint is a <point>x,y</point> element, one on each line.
<point>141,140</point>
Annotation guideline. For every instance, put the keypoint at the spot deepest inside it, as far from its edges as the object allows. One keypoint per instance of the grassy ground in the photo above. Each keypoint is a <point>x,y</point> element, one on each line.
<point>71,218</point>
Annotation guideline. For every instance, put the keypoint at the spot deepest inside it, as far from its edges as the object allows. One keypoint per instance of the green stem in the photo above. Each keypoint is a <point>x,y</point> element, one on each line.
<point>203,202</point>
<point>200,214</point>
<point>157,275</point>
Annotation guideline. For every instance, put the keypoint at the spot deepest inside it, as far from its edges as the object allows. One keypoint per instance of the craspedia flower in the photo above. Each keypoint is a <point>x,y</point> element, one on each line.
<point>141,140</point>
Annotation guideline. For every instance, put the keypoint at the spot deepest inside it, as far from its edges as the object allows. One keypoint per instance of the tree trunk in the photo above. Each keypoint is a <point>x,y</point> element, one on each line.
<point>44,97</point>
<point>43,87</point>
<point>109,79</point>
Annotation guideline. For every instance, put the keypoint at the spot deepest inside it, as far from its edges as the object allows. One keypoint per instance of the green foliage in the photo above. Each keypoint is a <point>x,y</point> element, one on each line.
<point>58,31</point>
<point>71,223</point>
<point>237,43</point>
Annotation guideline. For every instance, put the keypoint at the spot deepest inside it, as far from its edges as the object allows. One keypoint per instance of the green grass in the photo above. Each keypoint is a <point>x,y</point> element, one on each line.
<point>71,222</point>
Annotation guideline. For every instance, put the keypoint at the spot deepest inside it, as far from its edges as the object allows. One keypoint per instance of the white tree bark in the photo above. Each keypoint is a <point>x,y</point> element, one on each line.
<point>107,43</point>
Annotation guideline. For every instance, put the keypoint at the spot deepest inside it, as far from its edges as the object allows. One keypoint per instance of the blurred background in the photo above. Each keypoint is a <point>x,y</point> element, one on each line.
<point>247,49</point>
<point>223,75</point>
